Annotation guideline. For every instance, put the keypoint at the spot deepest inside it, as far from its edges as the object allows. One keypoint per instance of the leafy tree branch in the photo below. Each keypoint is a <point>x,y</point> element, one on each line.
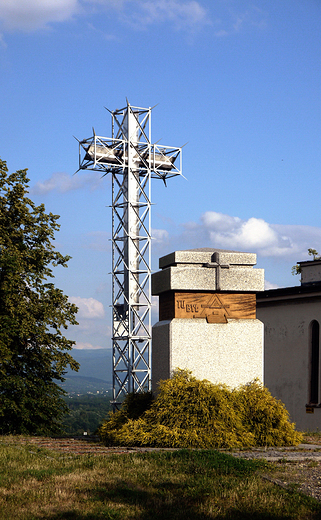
<point>34,353</point>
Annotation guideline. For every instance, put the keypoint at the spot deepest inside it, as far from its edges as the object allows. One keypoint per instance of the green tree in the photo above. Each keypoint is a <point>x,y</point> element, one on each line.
<point>33,313</point>
<point>296,269</point>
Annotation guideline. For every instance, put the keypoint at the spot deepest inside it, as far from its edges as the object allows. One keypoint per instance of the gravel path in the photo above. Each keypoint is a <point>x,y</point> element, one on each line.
<point>298,466</point>
<point>76,446</point>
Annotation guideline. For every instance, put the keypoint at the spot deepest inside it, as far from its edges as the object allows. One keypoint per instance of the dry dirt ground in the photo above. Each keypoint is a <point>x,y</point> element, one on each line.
<point>295,468</point>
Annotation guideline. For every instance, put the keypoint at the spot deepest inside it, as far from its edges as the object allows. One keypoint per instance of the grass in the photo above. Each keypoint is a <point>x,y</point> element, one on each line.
<point>36,483</point>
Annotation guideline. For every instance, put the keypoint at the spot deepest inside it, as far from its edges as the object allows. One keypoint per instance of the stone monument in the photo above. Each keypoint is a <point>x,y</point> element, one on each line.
<point>207,316</point>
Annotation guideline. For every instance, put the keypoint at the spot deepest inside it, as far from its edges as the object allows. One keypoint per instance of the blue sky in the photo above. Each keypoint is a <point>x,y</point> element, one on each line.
<point>240,81</point>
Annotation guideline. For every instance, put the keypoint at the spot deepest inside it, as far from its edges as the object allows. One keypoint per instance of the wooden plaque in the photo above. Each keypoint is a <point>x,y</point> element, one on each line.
<point>214,307</point>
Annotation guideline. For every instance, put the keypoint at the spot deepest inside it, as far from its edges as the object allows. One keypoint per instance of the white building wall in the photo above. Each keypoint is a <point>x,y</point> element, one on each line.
<point>287,355</point>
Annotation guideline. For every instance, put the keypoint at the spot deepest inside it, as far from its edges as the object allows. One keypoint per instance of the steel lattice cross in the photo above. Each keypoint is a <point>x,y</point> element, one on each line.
<point>132,160</point>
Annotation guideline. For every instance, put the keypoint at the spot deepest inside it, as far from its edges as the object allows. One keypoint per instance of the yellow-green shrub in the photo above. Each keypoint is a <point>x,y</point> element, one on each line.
<point>133,406</point>
<point>189,413</point>
<point>265,416</point>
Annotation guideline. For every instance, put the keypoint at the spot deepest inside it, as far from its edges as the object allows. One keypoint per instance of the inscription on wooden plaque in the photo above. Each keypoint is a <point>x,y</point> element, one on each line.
<point>214,307</point>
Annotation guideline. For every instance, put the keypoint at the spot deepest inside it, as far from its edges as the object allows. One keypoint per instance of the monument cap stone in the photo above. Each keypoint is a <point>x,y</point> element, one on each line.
<point>208,269</point>
<point>207,255</point>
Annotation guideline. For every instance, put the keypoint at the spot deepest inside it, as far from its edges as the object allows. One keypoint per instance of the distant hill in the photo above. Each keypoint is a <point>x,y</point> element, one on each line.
<point>84,385</point>
<point>93,363</point>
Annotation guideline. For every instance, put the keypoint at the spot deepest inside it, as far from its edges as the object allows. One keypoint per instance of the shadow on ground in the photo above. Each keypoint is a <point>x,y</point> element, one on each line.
<point>113,502</point>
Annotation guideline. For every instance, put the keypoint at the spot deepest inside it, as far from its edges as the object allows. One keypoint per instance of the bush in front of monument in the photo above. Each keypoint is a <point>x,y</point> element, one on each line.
<point>265,416</point>
<point>189,413</point>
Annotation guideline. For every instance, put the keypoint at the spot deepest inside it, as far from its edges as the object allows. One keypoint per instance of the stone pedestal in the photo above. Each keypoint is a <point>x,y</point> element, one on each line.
<point>207,316</point>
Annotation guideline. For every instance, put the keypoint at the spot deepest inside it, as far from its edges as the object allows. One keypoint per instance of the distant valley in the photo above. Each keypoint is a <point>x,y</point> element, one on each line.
<point>94,375</point>
<point>85,385</point>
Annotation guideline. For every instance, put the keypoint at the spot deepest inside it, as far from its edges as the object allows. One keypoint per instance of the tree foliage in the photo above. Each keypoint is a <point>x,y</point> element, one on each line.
<point>296,269</point>
<point>33,313</point>
<point>86,413</point>
<point>189,413</point>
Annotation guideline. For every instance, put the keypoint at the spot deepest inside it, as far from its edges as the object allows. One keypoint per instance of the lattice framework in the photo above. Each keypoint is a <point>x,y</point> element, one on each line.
<point>132,160</point>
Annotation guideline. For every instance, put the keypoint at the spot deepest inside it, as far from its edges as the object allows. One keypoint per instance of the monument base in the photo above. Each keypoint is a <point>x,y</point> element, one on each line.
<point>230,353</point>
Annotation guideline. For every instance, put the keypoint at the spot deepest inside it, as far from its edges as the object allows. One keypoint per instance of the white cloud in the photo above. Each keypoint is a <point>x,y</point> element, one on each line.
<point>253,234</point>
<point>183,14</point>
<point>62,182</point>
<point>155,308</point>
<point>160,235</point>
<point>29,15</point>
<point>268,285</point>
<point>112,4</point>
<point>105,35</point>
<point>275,241</point>
<point>86,346</point>
<point>32,15</point>
<point>88,307</point>
<point>233,21</point>
<point>3,44</point>
<point>93,328</point>
<point>219,221</point>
